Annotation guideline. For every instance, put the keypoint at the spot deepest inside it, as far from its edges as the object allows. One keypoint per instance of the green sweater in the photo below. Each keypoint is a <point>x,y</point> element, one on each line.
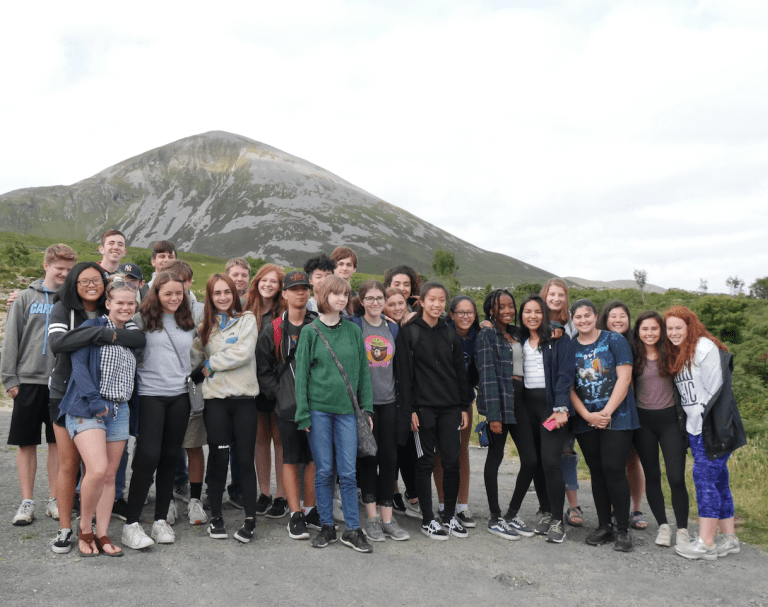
<point>319,384</point>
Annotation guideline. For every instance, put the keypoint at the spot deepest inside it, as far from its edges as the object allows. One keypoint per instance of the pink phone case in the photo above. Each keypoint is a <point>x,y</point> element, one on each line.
<point>550,424</point>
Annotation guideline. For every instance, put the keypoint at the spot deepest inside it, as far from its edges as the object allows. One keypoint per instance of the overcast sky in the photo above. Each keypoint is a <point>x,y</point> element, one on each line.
<point>586,137</point>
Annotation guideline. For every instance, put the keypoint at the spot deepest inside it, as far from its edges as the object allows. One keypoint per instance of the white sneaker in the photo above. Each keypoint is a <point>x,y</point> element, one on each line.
<point>52,509</point>
<point>162,532</point>
<point>338,511</point>
<point>727,544</point>
<point>664,536</point>
<point>173,513</point>
<point>196,513</point>
<point>134,537</point>
<point>697,550</point>
<point>24,514</point>
<point>682,538</point>
<point>412,510</point>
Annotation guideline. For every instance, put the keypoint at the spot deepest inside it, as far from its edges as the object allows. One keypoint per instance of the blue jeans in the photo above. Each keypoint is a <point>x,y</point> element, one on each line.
<point>331,430</point>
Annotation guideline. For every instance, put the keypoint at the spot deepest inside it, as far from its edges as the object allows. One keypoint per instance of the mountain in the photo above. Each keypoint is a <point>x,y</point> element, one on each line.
<point>227,195</point>
<point>613,284</point>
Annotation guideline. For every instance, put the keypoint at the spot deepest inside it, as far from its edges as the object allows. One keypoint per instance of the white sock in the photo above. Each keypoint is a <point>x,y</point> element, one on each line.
<point>441,507</point>
<point>461,507</point>
<point>28,502</point>
<point>306,509</point>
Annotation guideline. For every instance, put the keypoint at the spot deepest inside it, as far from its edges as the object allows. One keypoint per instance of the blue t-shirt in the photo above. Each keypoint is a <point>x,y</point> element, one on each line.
<point>596,377</point>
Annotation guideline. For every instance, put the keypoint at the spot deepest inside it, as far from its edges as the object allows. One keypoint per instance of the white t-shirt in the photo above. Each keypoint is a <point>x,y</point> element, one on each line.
<point>533,367</point>
<point>700,383</point>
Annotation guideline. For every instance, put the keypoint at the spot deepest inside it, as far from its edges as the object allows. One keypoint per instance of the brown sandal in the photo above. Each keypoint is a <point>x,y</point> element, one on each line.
<point>104,541</point>
<point>92,542</point>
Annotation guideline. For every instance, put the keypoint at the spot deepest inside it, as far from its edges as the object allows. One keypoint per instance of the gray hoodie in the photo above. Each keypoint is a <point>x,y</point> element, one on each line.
<point>27,358</point>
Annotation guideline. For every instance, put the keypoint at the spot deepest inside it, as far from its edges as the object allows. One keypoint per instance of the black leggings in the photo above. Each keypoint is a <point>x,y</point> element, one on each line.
<point>224,417</point>
<point>406,465</point>
<point>523,436</point>
<point>380,488</point>
<point>660,428</point>
<point>162,426</point>
<point>606,452</point>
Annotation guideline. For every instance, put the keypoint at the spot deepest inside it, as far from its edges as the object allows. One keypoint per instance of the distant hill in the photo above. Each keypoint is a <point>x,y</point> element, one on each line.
<point>226,195</point>
<point>614,284</point>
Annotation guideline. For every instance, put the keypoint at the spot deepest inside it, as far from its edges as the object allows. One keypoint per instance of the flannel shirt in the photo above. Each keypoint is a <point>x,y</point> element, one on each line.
<point>495,394</point>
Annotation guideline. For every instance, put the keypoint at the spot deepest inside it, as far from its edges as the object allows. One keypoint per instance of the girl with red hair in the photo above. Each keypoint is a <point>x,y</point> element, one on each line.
<point>702,368</point>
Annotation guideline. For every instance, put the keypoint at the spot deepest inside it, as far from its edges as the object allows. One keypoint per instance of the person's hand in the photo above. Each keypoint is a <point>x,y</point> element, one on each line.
<point>561,418</point>
<point>13,392</point>
<point>487,324</point>
<point>370,422</point>
<point>464,420</point>
<point>12,297</point>
<point>495,427</point>
<point>600,420</point>
<point>307,429</point>
<point>206,371</point>
<point>414,422</point>
<point>103,413</point>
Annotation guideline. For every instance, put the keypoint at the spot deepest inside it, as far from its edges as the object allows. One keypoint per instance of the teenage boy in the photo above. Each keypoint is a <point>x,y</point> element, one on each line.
<point>163,253</point>
<point>239,270</point>
<point>112,249</point>
<point>346,263</point>
<point>135,276</point>
<point>276,368</point>
<point>318,268</point>
<point>27,362</point>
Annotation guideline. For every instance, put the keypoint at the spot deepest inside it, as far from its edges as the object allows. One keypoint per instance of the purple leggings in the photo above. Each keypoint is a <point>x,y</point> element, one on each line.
<point>713,493</point>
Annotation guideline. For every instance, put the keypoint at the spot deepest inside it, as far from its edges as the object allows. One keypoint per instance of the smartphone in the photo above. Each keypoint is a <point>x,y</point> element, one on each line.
<point>550,424</point>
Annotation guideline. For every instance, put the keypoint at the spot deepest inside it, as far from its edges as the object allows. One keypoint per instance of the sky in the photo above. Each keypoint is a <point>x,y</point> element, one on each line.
<point>589,138</point>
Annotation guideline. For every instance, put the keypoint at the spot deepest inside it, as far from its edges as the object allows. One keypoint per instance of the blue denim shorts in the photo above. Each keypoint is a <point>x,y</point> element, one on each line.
<point>116,429</point>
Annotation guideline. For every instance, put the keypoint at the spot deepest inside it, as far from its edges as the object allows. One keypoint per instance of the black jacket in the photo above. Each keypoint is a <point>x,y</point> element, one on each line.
<point>431,367</point>
<point>722,429</point>
<point>276,372</point>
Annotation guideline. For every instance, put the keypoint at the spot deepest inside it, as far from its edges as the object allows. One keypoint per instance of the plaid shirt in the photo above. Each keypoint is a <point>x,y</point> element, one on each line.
<point>118,368</point>
<point>495,394</point>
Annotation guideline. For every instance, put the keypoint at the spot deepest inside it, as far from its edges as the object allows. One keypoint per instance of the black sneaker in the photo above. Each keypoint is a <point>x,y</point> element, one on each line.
<point>602,535</point>
<point>623,542</point>
<point>312,519</point>
<point>434,530</point>
<point>326,535</point>
<point>543,527</point>
<point>278,509</point>
<point>556,533</point>
<point>246,532</point>
<point>263,504</point>
<point>120,509</point>
<point>355,539</point>
<point>216,529</point>
<point>398,503</point>
<point>237,501</point>
<point>466,519</point>
<point>297,527</point>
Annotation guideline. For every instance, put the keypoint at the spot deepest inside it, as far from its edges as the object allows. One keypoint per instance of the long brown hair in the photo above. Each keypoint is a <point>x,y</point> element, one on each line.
<point>152,310</point>
<point>563,316</point>
<point>209,316</point>
<point>662,346</point>
<point>682,355</point>
<point>255,302</point>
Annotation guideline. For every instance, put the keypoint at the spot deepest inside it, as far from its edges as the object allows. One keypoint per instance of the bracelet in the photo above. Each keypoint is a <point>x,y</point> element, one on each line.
<point>560,410</point>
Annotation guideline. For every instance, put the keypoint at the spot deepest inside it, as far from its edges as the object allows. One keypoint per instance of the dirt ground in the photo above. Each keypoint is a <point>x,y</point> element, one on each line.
<point>275,570</point>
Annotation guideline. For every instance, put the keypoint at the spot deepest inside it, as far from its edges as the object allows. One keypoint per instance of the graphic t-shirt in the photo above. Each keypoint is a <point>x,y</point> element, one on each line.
<point>293,337</point>
<point>698,383</point>
<point>380,349</point>
<point>596,378</point>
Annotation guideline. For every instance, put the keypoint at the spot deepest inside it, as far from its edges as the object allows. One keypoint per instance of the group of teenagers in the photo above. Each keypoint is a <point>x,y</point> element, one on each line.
<point>279,363</point>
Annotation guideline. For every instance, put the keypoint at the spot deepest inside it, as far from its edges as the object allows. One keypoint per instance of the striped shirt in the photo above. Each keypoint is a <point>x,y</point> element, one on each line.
<point>533,365</point>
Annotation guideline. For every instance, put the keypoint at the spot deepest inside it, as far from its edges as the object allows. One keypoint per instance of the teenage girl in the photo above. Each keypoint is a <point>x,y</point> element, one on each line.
<point>606,419</point>
<point>702,368</point>
<point>434,388</point>
<point>654,393</point>
<point>225,345</point>
<point>266,302</point>
<point>96,406</point>
<point>615,317</point>
<point>325,410</point>
<point>395,306</point>
<point>463,319</point>
<point>555,295</point>
<point>166,319</point>
<point>81,298</point>
<point>377,475</point>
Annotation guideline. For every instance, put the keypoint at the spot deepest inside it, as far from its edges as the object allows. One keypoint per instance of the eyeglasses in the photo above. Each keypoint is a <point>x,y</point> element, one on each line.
<point>370,300</point>
<point>87,282</point>
<point>463,314</point>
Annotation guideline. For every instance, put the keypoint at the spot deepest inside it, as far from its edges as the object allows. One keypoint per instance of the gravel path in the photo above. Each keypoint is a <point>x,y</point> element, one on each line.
<point>275,570</point>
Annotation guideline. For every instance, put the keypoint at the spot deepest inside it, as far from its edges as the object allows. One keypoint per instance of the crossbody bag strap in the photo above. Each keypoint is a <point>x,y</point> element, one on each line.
<point>352,395</point>
<point>181,364</point>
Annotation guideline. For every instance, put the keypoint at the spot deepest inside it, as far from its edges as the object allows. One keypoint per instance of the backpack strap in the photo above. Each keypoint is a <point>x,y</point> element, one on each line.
<point>277,333</point>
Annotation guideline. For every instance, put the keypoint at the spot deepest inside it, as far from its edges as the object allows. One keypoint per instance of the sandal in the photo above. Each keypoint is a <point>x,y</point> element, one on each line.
<point>91,541</point>
<point>638,520</point>
<point>105,541</point>
<point>574,516</point>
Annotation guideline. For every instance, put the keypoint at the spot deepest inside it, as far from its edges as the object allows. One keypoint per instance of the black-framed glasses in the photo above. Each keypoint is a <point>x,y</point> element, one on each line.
<point>370,300</point>
<point>463,314</point>
<point>87,282</point>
